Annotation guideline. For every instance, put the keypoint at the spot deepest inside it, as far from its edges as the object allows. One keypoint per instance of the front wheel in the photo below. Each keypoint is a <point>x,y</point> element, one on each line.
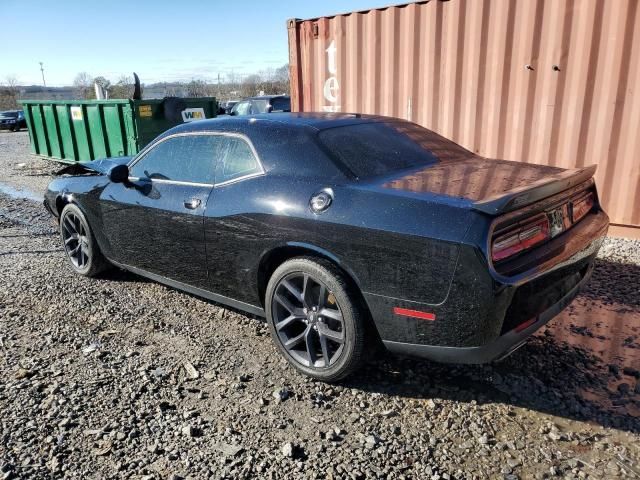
<point>316,318</point>
<point>79,243</point>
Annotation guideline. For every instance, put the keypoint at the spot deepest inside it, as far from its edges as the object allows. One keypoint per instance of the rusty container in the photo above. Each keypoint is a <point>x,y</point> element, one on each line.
<point>547,82</point>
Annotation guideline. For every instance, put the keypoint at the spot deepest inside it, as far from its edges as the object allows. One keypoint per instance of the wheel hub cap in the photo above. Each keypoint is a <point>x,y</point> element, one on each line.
<point>308,320</point>
<point>76,242</point>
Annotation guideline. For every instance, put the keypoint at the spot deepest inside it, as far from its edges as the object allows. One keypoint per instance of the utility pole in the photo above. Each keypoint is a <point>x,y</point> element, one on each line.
<point>42,70</point>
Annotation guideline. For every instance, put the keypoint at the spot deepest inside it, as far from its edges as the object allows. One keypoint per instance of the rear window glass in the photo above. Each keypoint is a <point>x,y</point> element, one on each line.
<point>371,149</point>
<point>281,105</point>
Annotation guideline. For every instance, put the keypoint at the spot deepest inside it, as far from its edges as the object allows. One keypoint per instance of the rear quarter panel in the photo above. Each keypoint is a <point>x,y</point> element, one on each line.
<point>391,245</point>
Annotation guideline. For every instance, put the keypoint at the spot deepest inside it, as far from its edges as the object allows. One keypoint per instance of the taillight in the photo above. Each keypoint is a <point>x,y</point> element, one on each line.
<point>582,206</point>
<point>521,238</point>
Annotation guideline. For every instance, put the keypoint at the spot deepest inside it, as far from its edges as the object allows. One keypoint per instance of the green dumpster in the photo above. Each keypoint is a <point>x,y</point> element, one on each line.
<point>84,130</point>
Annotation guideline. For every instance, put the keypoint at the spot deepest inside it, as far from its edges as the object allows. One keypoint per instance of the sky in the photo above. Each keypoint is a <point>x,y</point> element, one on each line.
<point>161,40</point>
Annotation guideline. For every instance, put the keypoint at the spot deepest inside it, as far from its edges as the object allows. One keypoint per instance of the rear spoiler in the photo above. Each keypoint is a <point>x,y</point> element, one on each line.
<point>528,194</point>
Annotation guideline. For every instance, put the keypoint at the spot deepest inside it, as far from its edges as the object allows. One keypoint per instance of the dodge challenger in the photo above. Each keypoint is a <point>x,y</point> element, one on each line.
<point>345,231</point>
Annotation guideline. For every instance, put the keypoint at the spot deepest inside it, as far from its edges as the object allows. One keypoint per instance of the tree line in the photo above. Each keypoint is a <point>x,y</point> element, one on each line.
<point>226,87</point>
<point>9,93</point>
<point>229,86</point>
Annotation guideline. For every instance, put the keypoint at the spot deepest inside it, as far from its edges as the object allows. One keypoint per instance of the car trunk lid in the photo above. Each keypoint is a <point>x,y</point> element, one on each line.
<point>491,186</point>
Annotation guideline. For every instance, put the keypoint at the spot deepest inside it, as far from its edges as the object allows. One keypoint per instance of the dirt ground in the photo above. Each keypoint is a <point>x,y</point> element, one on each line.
<point>119,377</point>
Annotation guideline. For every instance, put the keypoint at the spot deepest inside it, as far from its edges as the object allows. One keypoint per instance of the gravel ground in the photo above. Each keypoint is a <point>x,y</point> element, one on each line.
<point>123,378</point>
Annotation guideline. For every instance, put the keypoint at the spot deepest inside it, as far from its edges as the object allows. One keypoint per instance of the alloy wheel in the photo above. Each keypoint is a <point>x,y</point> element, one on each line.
<point>76,242</point>
<point>308,320</point>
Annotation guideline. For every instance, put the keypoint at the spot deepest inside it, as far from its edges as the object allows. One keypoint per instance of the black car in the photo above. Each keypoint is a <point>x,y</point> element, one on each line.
<point>224,108</point>
<point>262,104</point>
<point>344,231</point>
<point>12,120</point>
<point>228,106</point>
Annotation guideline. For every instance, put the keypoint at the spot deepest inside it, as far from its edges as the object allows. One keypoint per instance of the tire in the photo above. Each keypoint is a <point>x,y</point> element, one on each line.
<point>75,232</point>
<point>339,318</point>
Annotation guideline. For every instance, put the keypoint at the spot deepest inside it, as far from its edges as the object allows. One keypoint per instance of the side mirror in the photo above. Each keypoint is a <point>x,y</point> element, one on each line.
<point>118,173</point>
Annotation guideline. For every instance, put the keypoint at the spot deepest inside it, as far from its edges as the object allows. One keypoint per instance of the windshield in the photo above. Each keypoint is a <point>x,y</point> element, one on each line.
<point>371,149</point>
<point>9,114</point>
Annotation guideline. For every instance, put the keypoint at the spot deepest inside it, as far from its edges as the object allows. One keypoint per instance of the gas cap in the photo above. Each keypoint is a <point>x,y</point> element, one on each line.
<point>321,200</point>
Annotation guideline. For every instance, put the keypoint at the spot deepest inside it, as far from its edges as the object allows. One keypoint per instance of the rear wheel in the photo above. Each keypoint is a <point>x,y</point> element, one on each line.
<point>79,243</point>
<point>316,319</point>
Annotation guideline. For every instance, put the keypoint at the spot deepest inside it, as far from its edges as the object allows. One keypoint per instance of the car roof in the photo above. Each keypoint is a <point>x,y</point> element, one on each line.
<point>310,120</point>
<point>266,97</point>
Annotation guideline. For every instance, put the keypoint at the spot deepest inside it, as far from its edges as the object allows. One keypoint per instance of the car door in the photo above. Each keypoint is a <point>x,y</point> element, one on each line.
<point>155,221</point>
<point>228,226</point>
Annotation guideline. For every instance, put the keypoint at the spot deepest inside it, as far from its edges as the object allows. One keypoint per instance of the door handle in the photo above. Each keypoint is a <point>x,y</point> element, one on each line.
<point>192,204</point>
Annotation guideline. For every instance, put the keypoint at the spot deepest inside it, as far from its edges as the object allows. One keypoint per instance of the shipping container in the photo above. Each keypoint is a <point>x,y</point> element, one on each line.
<point>547,82</point>
<point>84,130</point>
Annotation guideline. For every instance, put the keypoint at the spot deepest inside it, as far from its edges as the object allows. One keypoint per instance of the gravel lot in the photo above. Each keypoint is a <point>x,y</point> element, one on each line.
<point>123,378</point>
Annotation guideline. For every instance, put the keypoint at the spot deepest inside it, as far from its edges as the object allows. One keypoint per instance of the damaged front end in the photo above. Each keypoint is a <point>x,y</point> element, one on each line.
<point>96,167</point>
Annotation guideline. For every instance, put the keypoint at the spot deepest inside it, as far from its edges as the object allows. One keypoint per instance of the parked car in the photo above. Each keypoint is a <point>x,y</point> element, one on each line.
<point>262,104</point>
<point>224,108</point>
<point>12,120</point>
<point>229,105</point>
<point>343,230</point>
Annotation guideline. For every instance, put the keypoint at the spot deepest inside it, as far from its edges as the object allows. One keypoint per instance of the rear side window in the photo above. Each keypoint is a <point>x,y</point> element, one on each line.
<point>238,160</point>
<point>185,158</point>
<point>370,149</point>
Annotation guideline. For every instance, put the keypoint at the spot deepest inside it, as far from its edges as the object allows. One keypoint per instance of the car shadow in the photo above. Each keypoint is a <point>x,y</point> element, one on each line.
<point>615,283</point>
<point>116,274</point>
<point>124,276</point>
<point>544,375</point>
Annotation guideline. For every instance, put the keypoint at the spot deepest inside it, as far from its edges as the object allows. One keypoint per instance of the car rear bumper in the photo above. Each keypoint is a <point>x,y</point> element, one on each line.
<point>496,349</point>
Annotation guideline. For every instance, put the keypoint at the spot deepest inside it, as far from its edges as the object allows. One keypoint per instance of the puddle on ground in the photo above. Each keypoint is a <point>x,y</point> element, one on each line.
<point>19,192</point>
<point>610,332</point>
